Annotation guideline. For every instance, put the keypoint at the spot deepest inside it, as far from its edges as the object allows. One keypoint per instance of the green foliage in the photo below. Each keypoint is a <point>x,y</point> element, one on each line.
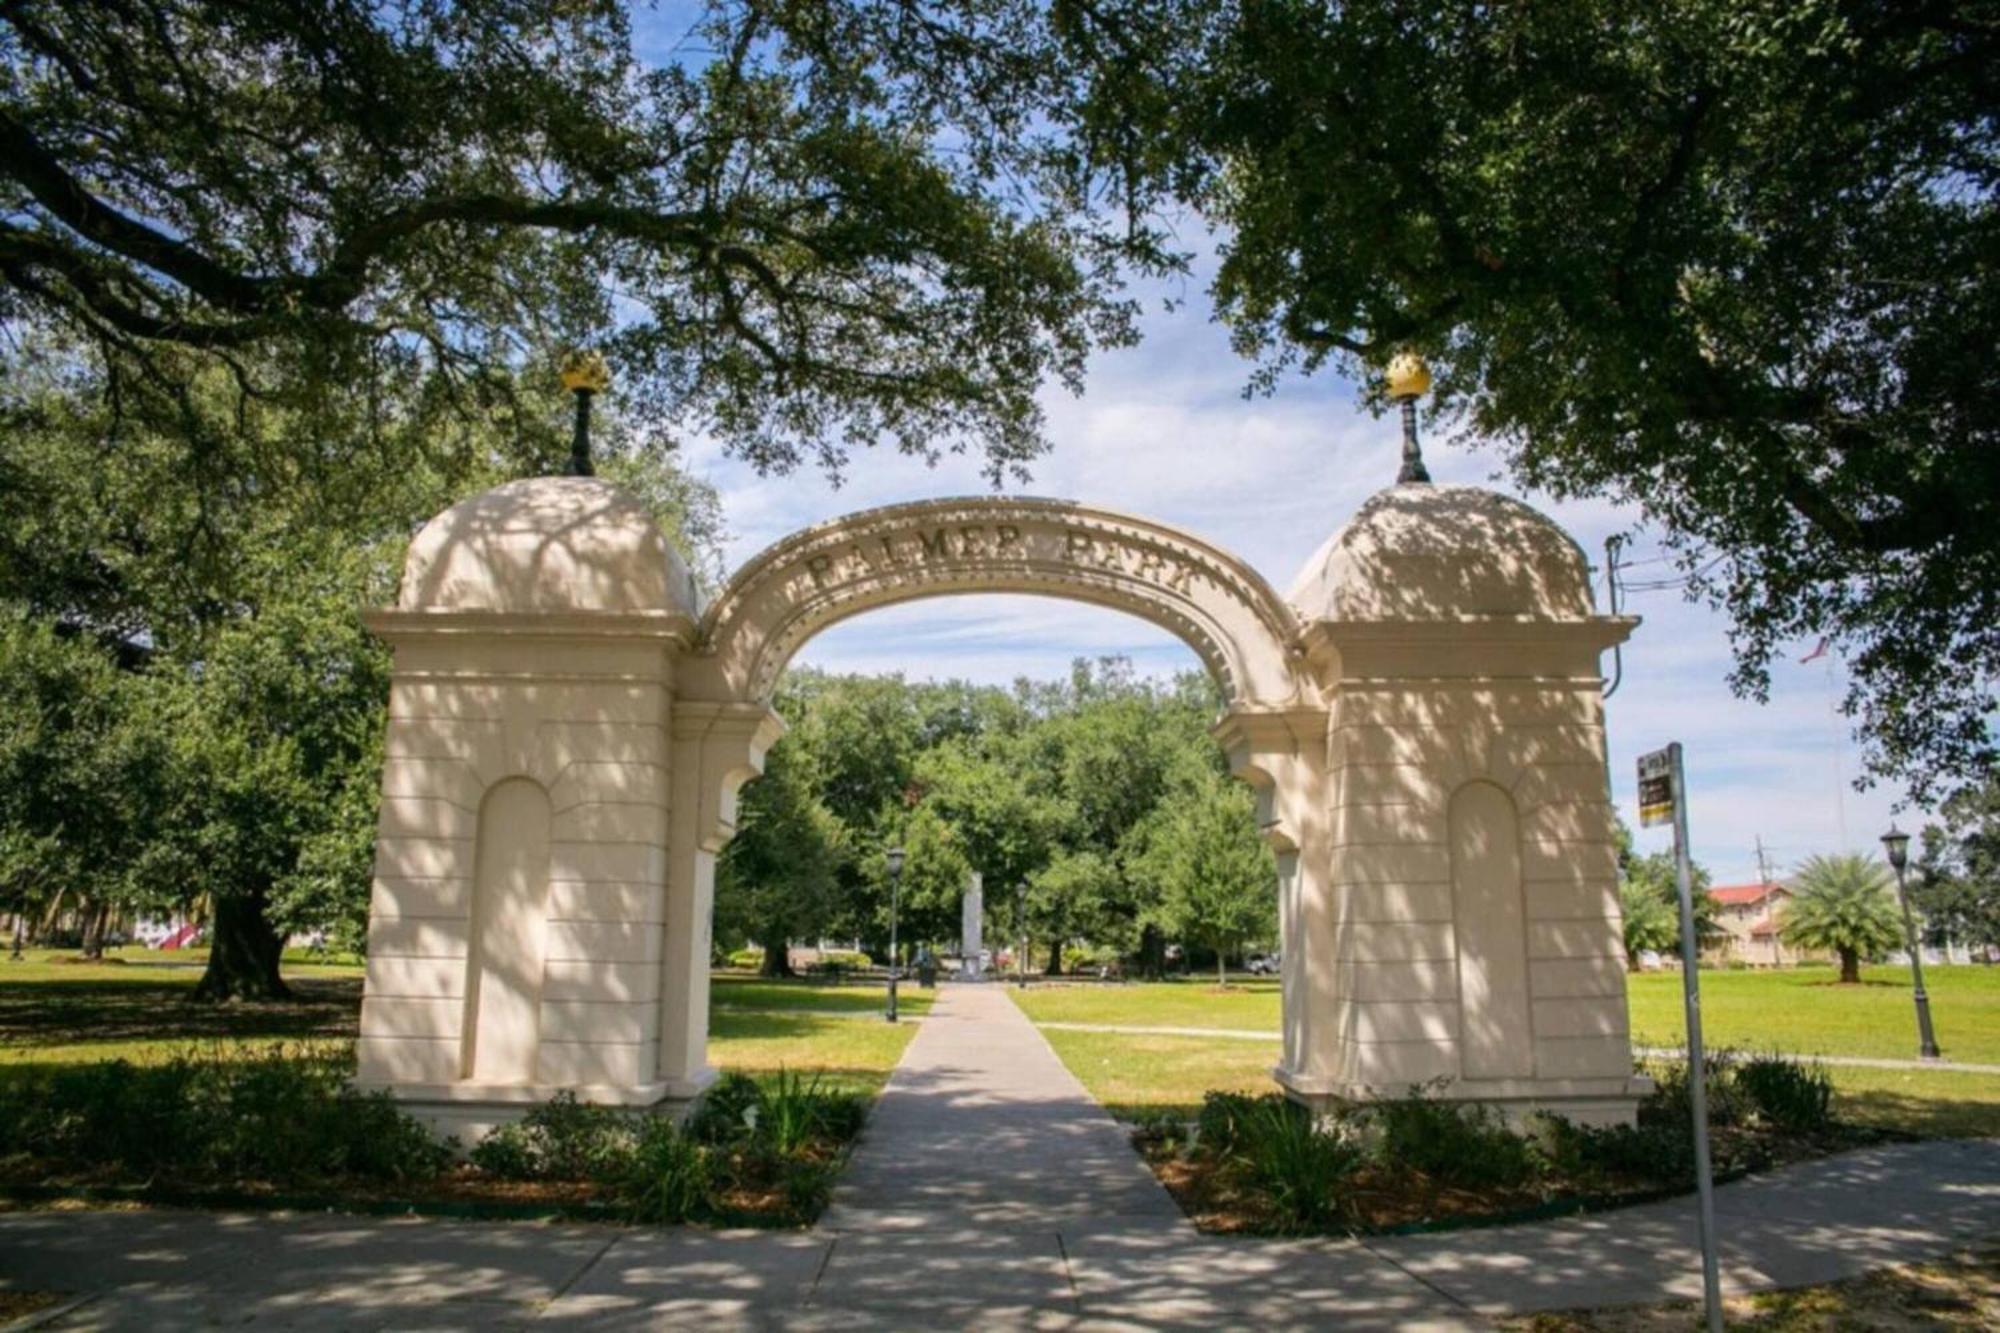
<point>1650,924</point>
<point>1957,883</point>
<point>1300,1165</point>
<point>752,957</point>
<point>278,1117</point>
<point>1648,884</point>
<point>1223,1116</point>
<point>1451,1142</point>
<point>561,1139</point>
<point>1216,878</point>
<point>1844,903</point>
<point>1790,1095</point>
<point>672,1176</point>
<point>1636,238</point>
<point>1060,788</point>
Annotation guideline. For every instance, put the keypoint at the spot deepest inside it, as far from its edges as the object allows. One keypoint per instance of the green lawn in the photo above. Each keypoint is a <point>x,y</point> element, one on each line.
<point>1251,1005</point>
<point>1808,1012</point>
<point>1803,1011</point>
<point>1131,1073</point>
<point>133,1006</point>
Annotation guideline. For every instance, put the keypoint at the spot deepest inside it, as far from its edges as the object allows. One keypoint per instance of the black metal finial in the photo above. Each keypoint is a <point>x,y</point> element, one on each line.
<point>579,443</point>
<point>585,374</point>
<point>1413,454</point>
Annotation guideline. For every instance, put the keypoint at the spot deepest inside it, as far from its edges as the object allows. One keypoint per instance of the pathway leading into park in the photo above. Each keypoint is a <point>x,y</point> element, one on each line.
<point>989,1190</point>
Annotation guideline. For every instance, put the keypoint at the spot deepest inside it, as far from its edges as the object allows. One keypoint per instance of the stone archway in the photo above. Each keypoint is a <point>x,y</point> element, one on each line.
<point>1420,717</point>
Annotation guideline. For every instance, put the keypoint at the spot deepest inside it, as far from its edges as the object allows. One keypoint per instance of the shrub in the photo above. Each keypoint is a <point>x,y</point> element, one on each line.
<point>562,1139</point>
<point>722,1115</point>
<point>1299,1166</point>
<point>1787,1094</point>
<point>282,1116</point>
<point>1658,1152</point>
<point>752,958</point>
<point>670,1176</point>
<point>1453,1143</point>
<point>1219,1127</point>
<point>789,1112</point>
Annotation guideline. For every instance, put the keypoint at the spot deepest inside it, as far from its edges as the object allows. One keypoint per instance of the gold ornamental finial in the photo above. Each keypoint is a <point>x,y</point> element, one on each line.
<point>585,371</point>
<point>1408,380</point>
<point>1408,377</point>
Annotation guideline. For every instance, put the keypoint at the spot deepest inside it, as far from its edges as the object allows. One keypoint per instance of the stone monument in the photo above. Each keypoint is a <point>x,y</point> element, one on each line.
<point>971,924</point>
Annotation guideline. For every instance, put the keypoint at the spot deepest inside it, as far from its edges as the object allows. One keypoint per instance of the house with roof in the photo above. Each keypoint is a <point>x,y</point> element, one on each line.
<point>1748,915</point>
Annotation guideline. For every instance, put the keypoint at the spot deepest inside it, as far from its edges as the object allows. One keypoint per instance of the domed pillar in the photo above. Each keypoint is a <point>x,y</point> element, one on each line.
<point>519,925</point>
<point>1472,878</point>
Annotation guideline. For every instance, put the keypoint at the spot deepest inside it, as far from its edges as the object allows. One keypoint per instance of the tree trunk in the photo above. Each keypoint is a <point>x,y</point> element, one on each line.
<point>1055,958</point>
<point>243,952</point>
<point>777,960</point>
<point>1221,972</point>
<point>1152,953</point>
<point>1850,967</point>
<point>95,917</point>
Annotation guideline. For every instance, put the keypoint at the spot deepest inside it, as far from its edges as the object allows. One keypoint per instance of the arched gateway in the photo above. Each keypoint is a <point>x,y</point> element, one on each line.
<point>569,728</point>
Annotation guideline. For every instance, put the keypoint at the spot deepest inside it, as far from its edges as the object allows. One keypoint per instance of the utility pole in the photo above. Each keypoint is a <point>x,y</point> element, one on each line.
<point>1763,862</point>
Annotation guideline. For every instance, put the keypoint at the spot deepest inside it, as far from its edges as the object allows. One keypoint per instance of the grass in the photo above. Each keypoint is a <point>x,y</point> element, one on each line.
<point>1802,1012</point>
<point>1961,1291</point>
<point>133,1007</point>
<point>848,997</point>
<point>1249,1004</point>
<point>1807,1011</point>
<point>1133,1074</point>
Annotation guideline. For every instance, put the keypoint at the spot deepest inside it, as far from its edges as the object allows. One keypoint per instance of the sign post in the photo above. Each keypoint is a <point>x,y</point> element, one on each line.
<point>1662,800</point>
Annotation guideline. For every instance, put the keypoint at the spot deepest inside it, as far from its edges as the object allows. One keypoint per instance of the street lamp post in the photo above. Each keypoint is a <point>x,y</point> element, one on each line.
<point>1897,844</point>
<point>894,858</point>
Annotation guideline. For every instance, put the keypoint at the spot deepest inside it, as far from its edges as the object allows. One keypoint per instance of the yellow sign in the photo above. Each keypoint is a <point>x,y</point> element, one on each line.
<point>1656,789</point>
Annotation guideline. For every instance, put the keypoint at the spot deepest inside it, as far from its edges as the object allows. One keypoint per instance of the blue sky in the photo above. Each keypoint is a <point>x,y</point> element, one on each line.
<point>1163,430</point>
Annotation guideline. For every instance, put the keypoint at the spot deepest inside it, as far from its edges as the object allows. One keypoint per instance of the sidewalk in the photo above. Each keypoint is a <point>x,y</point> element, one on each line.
<point>989,1190</point>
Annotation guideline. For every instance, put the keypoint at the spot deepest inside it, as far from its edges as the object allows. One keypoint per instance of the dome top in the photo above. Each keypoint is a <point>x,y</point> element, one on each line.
<point>1423,552</point>
<point>546,544</point>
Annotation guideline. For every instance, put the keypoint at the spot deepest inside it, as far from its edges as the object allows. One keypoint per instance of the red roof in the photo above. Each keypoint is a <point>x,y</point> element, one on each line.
<point>1736,895</point>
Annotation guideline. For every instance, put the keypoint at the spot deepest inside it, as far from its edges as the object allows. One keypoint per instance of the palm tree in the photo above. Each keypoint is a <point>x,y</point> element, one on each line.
<point>1846,904</point>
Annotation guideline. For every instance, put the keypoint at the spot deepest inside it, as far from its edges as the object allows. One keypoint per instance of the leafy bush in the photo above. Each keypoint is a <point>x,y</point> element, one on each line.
<point>723,1114</point>
<point>1656,1151</point>
<point>281,1116</point>
<point>1220,1124</point>
<point>562,1139</point>
<point>1299,1166</point>
<point>1787,1094</point>
<point>752,958</point>
<point>1452,1142</point>
<point>671,1176</point>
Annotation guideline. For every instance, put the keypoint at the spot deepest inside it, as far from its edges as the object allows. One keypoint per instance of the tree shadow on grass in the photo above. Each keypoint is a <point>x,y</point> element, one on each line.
<point>1926,1116</point>
<point>92,1012</point>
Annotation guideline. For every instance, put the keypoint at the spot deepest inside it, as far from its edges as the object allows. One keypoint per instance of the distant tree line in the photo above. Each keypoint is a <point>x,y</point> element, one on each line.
<point>1099,802</point>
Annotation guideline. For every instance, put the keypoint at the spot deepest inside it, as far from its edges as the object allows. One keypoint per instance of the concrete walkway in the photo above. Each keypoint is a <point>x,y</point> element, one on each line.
<point>988,1190</point>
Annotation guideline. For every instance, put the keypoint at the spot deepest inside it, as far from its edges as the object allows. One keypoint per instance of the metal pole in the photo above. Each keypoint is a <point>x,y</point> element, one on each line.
<point>1927,1047</point>
<point>1711,1279</point>
<point>895,906</point>
<point>579,444</point>
<point>1413,469</point>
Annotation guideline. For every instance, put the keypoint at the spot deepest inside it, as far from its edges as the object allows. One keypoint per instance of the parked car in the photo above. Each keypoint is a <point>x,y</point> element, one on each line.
<point>1262,964</point>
